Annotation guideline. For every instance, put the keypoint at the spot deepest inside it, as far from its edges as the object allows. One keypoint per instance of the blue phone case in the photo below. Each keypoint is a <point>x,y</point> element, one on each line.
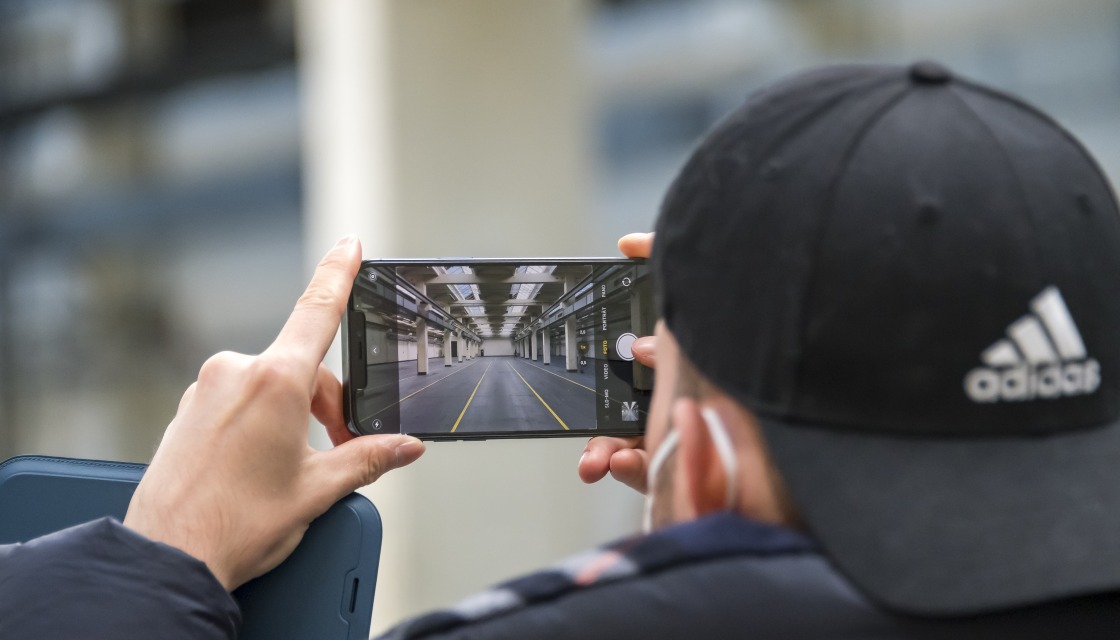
<point>324,590</point>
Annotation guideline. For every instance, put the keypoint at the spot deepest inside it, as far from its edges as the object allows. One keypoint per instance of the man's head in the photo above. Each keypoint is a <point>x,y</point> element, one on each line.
<point>904,291</point>
<point>691,474</point>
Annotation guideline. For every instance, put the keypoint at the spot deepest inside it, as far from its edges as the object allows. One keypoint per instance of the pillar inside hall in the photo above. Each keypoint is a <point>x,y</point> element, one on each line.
<point>533,345</point>
<point>447,333</point>
<point>460,346</point>
<point>571,350</point>
<point>546,334</point>
<point>421,332</point>
<point>396,118</point>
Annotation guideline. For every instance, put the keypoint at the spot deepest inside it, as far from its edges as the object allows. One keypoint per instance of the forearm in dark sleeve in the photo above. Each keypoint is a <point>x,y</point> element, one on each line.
<point>102,580</point>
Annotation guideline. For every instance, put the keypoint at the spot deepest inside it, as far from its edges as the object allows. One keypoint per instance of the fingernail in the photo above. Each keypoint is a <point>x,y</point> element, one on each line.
<point>582,458</point>
<point>408,451</point>
<point>346,240</point>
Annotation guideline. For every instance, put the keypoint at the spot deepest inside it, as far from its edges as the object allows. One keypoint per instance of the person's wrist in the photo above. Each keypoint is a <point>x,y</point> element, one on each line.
<point>191,545</point>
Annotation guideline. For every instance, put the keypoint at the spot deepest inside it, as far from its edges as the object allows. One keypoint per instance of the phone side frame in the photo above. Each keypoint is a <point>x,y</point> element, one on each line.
<point>349,412</point>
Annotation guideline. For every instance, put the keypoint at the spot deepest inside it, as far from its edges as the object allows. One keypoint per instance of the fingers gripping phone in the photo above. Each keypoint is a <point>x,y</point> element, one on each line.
<point>466,349</point>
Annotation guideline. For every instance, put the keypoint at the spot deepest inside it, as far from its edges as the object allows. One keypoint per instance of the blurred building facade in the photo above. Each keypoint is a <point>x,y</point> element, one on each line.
<point>150,158</point>
<point>170,171</point>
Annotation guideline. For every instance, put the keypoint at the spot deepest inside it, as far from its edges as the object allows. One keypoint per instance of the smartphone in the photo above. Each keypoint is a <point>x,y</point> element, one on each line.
<point>472,349</point>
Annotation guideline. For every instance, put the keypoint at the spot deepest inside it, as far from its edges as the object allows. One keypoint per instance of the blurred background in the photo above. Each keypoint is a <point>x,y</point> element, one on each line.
<point>171,170</point>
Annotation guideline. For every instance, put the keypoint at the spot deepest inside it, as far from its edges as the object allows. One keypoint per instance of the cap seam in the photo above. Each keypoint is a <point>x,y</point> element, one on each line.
<point>1039,254</point>
<point>811,116</point>
<point>1048,119</point>
<point>818,241</point>
<point>817,112</point>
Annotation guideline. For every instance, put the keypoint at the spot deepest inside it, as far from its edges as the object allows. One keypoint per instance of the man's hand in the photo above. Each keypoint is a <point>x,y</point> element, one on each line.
<point>624,458</point>
<point>234,482</point>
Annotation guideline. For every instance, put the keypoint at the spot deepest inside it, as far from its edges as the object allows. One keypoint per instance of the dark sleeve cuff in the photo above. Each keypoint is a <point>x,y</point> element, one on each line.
<point>103,580</point>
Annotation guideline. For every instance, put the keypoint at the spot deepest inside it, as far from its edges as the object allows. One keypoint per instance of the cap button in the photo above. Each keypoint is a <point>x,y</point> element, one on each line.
<point>927,72</point>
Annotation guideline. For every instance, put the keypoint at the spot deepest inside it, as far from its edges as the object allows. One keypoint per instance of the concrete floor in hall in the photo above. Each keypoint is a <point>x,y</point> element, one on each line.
<point>496,393</point>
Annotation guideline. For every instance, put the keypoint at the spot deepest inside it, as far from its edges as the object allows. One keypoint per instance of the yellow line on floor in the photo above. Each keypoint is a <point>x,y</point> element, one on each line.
<point>539,397</point>
<point>563,378</point>
<point>574,382</point>
<point>422,388</point>
<point>460,418</point>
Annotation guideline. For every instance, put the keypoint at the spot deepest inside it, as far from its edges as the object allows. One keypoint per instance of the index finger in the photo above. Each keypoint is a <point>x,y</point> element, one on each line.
<point>310,329</point>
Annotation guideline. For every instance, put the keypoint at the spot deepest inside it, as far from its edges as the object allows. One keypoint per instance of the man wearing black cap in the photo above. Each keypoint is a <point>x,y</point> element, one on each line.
<point>888,397</point>
<point>926,284</point>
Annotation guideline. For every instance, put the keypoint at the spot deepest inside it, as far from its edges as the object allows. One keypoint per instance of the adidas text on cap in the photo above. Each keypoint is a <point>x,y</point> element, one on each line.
<point>912,280</point>
<point>1043,357</point>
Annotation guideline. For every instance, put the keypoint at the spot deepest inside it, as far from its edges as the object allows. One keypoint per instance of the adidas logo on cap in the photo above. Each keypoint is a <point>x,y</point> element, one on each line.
<point>1043,357</point>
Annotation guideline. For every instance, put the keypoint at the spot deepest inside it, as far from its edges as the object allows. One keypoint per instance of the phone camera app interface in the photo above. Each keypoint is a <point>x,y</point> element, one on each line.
<point>476,349</point>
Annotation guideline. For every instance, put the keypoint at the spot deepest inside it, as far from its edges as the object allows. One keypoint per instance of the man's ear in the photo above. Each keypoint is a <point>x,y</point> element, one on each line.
<point>698,462</point>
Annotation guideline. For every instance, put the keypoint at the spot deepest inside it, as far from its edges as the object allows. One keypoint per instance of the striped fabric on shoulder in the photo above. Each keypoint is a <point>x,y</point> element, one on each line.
<point>716,536</point>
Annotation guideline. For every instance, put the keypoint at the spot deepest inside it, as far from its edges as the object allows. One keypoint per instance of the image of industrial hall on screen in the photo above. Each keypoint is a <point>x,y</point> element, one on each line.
<point>458,350</point>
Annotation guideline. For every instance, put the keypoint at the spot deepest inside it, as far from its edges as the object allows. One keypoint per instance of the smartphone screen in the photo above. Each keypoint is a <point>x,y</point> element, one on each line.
<point>514,348</point>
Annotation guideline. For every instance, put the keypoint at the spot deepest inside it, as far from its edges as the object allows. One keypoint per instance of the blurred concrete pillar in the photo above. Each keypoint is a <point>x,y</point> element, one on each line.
<point>468,120</point>
<point>348,175</point>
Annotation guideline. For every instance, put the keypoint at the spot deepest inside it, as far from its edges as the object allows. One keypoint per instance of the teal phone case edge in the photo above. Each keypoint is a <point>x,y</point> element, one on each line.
<point>365,568</point>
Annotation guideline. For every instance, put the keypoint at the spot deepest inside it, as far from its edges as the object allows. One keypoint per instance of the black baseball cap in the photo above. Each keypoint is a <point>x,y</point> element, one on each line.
<point>913,281</point>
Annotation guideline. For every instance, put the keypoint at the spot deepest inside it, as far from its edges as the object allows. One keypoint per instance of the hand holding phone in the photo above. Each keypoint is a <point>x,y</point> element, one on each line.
<point>200,495</point>
<point>624,458</point>
<point>475,349</point>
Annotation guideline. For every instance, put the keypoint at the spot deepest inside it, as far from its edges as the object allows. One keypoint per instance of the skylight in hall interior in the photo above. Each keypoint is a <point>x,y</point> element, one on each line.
<point>527,291</point>
<point>524,292</point>
<point>462,291</point>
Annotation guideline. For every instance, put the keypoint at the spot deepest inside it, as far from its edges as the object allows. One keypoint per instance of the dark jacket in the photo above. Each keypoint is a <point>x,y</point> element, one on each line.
<point>726,577</point>
<point>102,580</point>
<point>718,577</point>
